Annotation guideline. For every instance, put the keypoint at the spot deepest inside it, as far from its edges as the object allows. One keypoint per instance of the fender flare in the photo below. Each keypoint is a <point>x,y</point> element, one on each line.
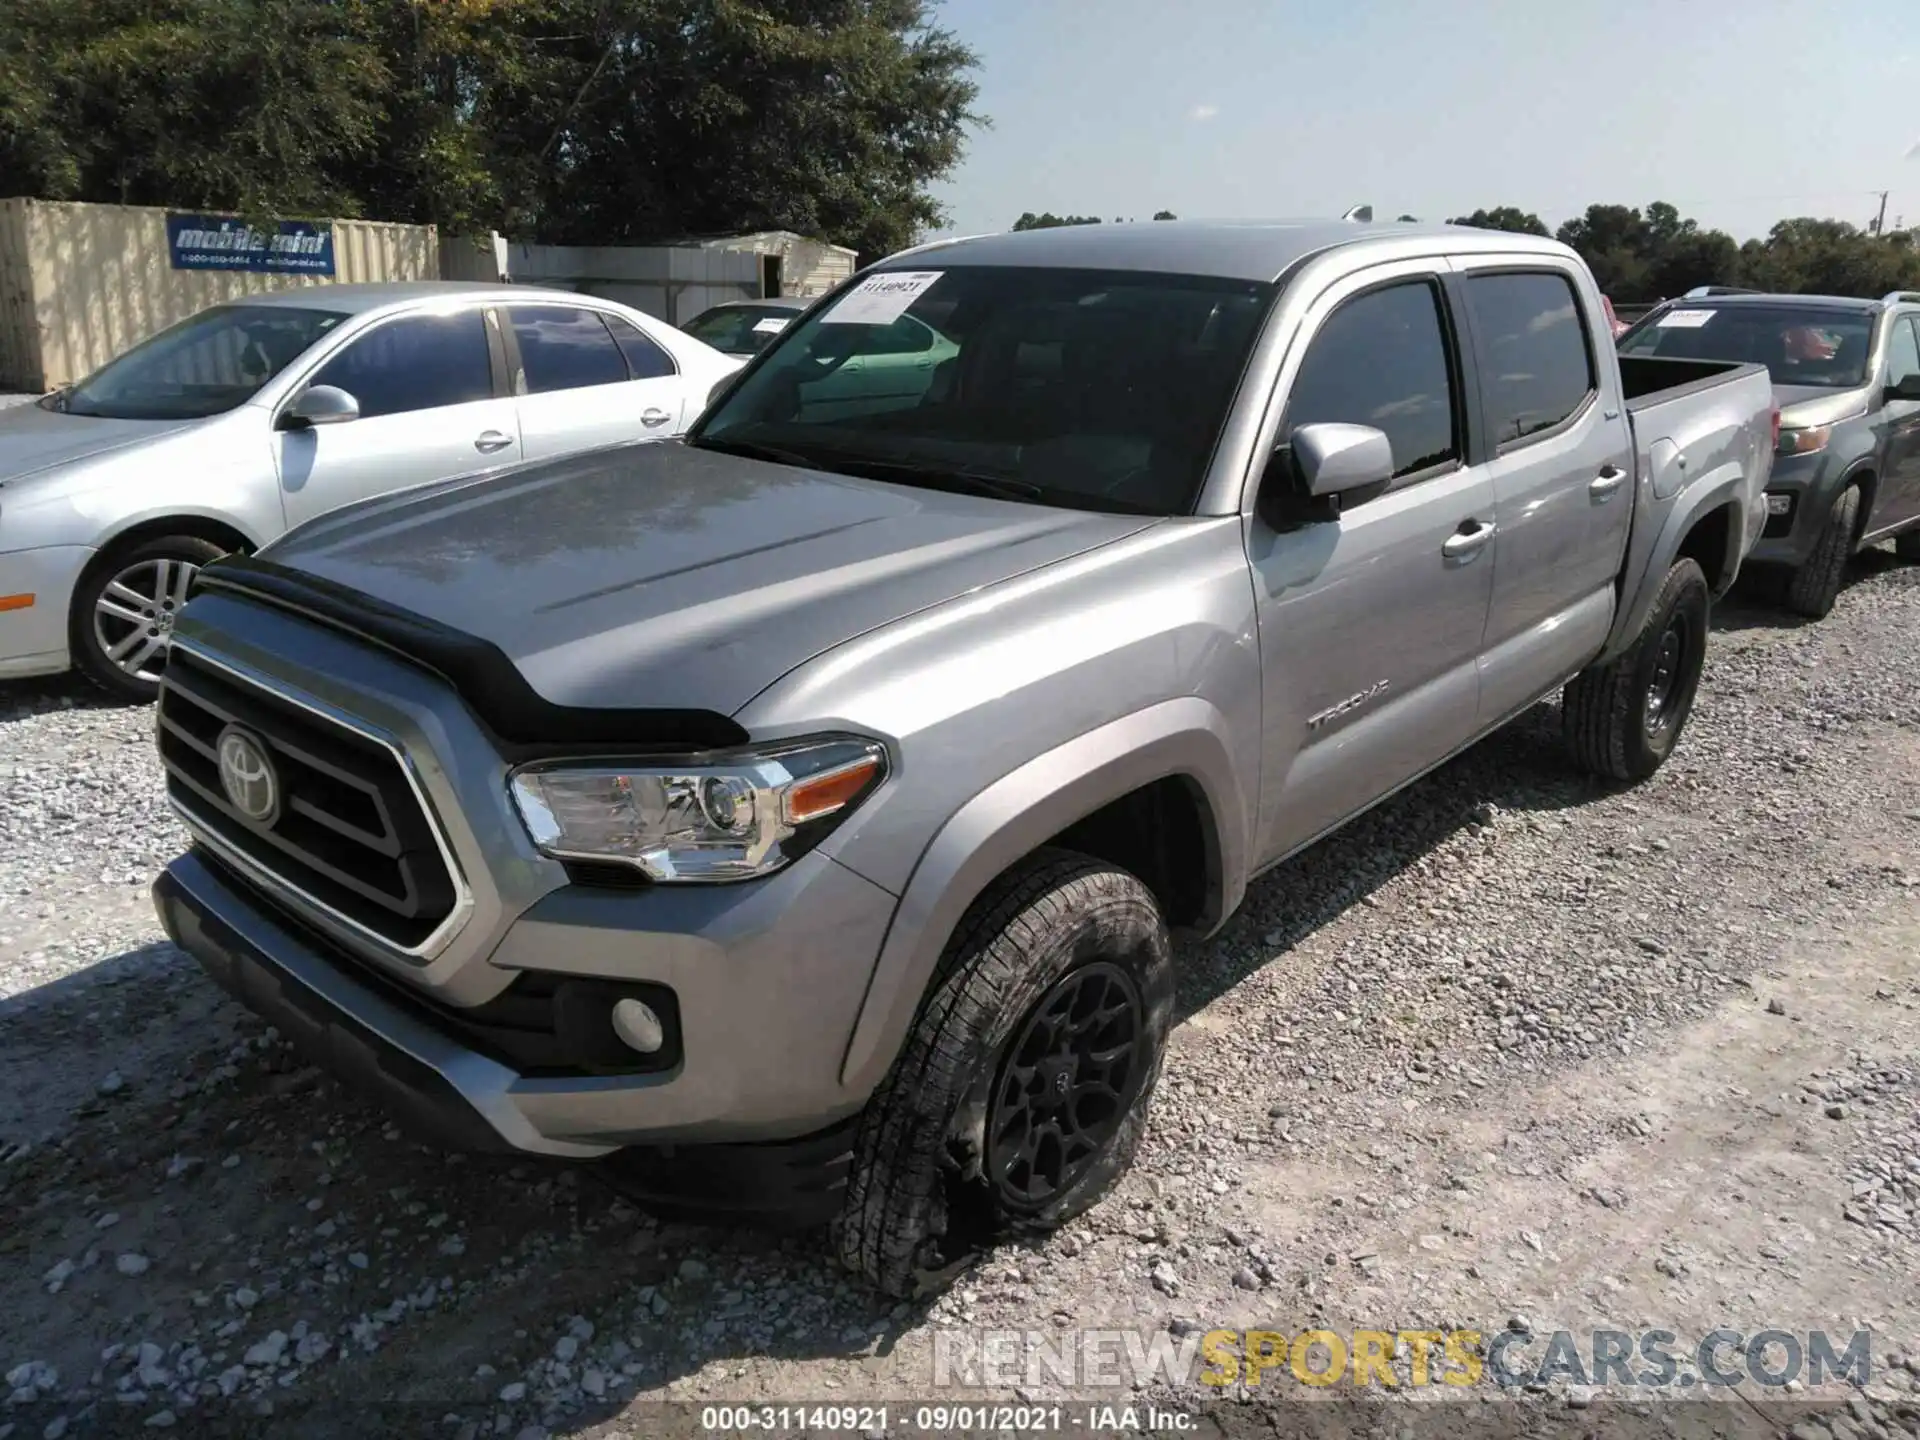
<point>1019,812</point>
<point>1721,488</point>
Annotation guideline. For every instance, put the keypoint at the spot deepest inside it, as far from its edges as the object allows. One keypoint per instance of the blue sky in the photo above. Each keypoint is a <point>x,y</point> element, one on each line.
<point>1740,112</point>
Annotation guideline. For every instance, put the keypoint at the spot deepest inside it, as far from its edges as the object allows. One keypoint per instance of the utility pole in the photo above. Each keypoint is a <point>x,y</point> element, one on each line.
<point>1880,224</point>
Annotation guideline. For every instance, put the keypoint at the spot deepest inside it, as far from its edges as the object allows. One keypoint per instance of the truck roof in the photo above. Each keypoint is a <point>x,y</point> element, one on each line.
<point>1228,249</point>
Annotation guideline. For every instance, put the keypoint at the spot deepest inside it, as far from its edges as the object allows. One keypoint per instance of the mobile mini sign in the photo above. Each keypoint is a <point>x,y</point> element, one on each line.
<point>219,242</point>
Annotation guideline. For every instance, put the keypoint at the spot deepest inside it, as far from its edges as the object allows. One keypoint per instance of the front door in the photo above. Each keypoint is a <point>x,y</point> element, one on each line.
<point>1561,463</point>
<point>1899,499</point>
<point>1370,625</point>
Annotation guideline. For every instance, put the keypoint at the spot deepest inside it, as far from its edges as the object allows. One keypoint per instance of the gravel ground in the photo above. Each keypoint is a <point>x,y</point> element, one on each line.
<point>1514,1049</point>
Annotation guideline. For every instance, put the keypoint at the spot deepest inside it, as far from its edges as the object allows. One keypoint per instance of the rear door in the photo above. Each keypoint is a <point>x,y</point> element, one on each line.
<point>431,407</point>
<point>583,378</point>
<point>1899,499</point>
<point>1370,624</point>
<point>1561,466</point>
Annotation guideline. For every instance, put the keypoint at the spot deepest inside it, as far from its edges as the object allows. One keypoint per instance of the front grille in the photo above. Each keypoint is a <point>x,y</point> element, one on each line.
<point>350,833</point>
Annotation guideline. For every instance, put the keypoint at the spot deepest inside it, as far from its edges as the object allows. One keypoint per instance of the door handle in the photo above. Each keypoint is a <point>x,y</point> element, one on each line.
<point>652,417</point>
<point>1602,486</point>
<point>488,441</point>
<point>1468,541</point>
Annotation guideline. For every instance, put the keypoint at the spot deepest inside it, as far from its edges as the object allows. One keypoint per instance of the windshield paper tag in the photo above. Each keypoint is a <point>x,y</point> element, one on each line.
<point>881,299</point>
<point>1685,319</point>
<point>772,325</point>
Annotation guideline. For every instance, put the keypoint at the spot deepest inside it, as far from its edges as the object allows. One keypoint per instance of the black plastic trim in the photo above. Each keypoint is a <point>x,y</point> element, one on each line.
<point>490,684</point>
<point>797,1184</point>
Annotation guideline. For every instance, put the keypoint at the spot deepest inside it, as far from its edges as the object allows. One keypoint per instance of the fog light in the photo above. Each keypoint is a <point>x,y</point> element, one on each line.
<point>636,1025</point>
<point>1778,504</point>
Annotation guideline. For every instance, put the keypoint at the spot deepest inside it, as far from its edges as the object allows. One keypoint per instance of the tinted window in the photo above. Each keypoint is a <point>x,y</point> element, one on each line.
<point>1536,366</point>
<point>739,329</point>
<point>645,360</point>
<point>1903,352</point>
<point>1083,388</point>
<point>1799,344</point>
<point>418,362</point>
<point>563,348</point>
<point>202,366</point>
<point>1381,360</point>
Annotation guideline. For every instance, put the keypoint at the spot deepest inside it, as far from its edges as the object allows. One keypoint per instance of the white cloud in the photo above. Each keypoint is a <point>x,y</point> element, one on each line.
<point>1203,112</point>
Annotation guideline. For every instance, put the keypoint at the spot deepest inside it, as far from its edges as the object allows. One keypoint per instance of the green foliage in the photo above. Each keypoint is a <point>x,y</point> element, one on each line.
<point>573,120</point>
<point>1165,215</point>
<point>1047,220</point>
<point>1658,254</point>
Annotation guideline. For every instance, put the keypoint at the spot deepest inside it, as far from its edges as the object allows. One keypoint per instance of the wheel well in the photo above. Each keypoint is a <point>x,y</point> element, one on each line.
<point>1164,834</point>
<point>1710,544</point>
<point>1867,482</point>
<point>200,527</point>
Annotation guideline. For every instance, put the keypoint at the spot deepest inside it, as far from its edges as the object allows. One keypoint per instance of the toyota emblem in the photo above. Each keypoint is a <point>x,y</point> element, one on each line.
<point>248,778</point>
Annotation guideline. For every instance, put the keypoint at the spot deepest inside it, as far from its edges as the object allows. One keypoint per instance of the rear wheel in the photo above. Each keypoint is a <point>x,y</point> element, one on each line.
<point>1622,719</point>
<point>1812,589</point>
<point>1022,1091</point>
<point>124,609</point>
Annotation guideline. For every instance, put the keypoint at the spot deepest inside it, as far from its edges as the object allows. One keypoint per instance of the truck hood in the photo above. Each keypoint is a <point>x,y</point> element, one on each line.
<point>663,575</point>
<point>1804,405</point>
<point>33,440</point>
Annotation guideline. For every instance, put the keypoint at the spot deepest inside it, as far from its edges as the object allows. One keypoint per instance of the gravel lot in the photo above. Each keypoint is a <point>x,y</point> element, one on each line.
<point>1529,1052</point>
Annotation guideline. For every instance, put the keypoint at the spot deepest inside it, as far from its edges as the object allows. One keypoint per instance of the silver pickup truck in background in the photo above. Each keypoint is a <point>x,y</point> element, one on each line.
<point>794,819</point>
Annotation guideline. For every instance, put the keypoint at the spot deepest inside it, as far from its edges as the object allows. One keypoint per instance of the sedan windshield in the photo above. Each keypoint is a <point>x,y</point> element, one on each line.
<point>1093,390</point>
<point>1799,344</point>
<point>212,362</point>
<point>740,329</point>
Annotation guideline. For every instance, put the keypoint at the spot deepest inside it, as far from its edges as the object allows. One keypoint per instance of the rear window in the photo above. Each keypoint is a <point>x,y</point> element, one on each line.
<point>1535,363</point>
<point>1799,344</point>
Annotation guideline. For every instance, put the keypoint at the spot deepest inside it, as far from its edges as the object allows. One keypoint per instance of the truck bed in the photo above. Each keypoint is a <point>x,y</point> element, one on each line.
<point>1647,379</point>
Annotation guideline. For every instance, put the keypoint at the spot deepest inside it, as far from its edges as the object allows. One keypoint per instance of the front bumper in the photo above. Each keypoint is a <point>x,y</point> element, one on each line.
<point>33,636</point>
<point>1789,539</point>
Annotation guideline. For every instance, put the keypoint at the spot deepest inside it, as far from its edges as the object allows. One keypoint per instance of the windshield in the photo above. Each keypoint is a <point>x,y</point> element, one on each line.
<point>740,329</point>
<point>1799,344</point>
<point>212,362</point>
<point>1095,390</point>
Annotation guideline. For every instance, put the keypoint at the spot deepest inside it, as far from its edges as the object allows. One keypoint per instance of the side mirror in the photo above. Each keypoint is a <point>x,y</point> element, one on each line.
<point>320,405</point>
<point>1906,388</point>
<point>1339,459</point>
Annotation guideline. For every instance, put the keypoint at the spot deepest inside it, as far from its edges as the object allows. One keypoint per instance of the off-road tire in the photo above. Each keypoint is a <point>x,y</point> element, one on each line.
<point>82,639</point>
<point>919,1204</point>
<point>1606,709</point>
<point>1815,585</point>
<point>1907,546</point>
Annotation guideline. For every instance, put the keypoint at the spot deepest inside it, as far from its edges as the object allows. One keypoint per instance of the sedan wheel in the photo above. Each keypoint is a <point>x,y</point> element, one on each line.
<point>124,611</point>
<point>133,618</point>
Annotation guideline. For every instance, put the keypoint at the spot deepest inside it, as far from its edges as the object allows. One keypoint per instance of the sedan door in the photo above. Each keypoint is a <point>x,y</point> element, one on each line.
<point>892,372</point>
<point>583,378</point>
<point>429,409</point>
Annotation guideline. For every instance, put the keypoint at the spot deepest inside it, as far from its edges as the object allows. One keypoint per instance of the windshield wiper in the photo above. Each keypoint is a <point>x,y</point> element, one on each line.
<point>978,482</point>
<point>754,450</point>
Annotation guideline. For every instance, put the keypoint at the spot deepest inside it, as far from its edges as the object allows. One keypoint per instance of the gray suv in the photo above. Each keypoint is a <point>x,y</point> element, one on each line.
<point>1846,375</point>
<point>796,819</point>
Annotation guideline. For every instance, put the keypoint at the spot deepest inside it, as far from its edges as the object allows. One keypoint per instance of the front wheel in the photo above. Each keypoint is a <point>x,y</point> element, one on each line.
<point>124,609</point>
<point>1022,1091</point>
<point>1623,718</point>
<point>1815,585</point>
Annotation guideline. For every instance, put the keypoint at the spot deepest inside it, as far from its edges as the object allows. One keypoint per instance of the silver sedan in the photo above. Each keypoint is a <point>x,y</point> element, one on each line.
<point>232,427</point>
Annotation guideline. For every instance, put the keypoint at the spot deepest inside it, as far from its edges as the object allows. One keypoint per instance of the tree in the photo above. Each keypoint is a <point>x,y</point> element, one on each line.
<point>1165,215</point>
<point>607,121</point>
<point>1503,217</point>
<point>1047,220</point>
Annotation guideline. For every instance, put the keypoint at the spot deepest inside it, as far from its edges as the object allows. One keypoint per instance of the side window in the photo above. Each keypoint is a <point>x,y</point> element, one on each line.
<point>418,362</point>
<point>645,359</point>
<point>1381,359</point>
<point>905,336</point>
<point>564,348</point>
<point>1903,350</point>
<point>1535,362</point>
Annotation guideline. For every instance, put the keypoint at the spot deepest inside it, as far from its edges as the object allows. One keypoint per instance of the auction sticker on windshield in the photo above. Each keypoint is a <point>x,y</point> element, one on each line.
<point>772,325</point>
<point>881,299</point>
<point>1685,319</point>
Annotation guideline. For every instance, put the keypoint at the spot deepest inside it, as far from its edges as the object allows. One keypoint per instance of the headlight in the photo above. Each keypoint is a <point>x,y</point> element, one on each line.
<point>1809,441</point>
<point>726,817</point>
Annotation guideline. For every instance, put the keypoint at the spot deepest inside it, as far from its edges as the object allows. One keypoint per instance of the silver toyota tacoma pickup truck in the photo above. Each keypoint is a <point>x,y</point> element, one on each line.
<point>794,818</point>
